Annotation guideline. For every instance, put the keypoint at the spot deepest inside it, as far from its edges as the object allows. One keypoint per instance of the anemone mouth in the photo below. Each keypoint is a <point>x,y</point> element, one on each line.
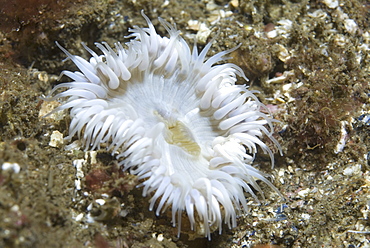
<point>177,120</point>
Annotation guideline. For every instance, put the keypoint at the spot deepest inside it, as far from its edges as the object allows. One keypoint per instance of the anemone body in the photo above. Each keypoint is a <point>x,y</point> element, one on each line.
<point>176,120</point>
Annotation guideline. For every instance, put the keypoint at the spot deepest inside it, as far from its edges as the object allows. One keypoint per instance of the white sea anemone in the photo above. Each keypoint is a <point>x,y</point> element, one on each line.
<point>176,120</point>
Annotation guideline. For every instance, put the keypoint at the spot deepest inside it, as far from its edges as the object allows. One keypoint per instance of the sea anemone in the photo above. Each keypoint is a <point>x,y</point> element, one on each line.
<point>173,118</point>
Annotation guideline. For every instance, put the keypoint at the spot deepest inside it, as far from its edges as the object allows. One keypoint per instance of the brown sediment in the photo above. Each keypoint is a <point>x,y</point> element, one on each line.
<point>327,192</point>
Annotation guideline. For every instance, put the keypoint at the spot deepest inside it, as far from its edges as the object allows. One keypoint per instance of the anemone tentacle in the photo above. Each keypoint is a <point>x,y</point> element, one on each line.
<point>177,120</point>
